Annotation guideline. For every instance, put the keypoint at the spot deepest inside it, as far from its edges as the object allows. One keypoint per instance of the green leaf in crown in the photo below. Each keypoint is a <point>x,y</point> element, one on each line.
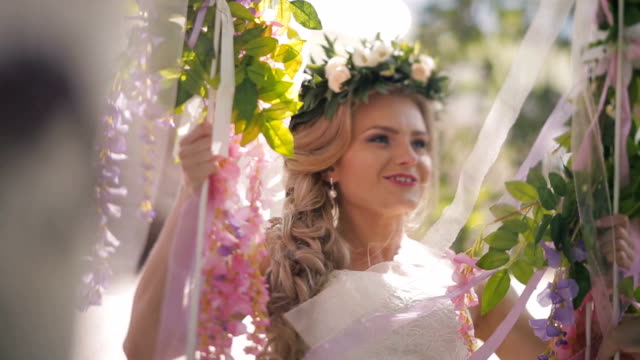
<point>267,53</point>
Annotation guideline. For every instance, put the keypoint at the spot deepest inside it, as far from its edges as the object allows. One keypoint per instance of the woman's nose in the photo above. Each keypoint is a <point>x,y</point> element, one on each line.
<point>406,155</point>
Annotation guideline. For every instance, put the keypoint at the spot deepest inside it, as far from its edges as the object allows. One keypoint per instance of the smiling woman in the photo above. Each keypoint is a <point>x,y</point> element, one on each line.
<point>377,156</point>
<point>388,162</point>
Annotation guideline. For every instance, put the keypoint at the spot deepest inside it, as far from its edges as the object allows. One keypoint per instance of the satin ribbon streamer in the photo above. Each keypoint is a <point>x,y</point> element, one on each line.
<point>222,100</point>
<point>546,26</point>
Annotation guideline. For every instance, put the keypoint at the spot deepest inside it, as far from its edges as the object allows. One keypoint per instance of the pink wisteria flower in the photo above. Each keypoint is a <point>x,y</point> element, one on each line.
<point>233,288</point>
<point>464,270</point>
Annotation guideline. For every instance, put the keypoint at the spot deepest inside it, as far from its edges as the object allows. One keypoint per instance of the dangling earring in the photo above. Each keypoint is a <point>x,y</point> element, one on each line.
<point>332,191</point>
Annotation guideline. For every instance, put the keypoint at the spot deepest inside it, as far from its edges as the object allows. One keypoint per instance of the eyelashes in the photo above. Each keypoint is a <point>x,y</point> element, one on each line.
<point>385,139</point>
<point>379,139</point>
<point>420,144</point>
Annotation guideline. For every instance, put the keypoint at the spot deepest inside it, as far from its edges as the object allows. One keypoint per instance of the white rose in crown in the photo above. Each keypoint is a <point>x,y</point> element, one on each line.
<point>334,63</point>
<point>337,73</point>
<point>381,52</point>
<point>421,71</point>
<point>428,62</point>
<point>364,58</point>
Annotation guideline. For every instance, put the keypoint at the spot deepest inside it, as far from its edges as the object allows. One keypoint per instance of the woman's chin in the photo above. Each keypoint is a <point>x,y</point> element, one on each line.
<point>403,207</point>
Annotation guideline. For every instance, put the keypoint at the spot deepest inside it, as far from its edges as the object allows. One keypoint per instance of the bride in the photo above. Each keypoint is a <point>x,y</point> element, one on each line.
<point>364,159</point>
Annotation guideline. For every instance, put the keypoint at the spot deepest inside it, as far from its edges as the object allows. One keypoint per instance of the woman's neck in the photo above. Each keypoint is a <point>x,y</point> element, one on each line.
<point>372,237</point>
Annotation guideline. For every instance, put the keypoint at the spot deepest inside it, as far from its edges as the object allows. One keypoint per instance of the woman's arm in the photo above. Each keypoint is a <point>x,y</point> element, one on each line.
<point>197,164</point>
<point>140,342</point>
<point>520,343</point>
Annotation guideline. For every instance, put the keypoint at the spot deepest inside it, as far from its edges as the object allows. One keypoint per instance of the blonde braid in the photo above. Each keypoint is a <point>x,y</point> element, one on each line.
<point>304,244</point>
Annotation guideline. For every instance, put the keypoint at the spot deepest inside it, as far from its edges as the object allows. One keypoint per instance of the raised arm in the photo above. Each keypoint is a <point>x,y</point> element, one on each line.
<point>197,164</point>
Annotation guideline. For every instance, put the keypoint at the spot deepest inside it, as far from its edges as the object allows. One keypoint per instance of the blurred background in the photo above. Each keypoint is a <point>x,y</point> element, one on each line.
<point>474,41</point>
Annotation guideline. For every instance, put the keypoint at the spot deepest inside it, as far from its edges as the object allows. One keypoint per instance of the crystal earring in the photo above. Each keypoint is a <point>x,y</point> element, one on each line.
<point>332,191</point>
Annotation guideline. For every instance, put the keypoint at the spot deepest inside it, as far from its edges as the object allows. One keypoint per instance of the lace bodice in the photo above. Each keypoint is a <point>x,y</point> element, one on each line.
<point>392,287</point>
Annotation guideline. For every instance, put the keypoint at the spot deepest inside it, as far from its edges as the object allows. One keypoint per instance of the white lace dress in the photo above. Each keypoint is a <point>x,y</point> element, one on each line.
<point>415,274</point>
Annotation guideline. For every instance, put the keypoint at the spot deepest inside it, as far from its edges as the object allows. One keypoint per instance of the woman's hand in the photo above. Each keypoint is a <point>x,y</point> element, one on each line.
<point>196,159</point>
<point>616,228</point>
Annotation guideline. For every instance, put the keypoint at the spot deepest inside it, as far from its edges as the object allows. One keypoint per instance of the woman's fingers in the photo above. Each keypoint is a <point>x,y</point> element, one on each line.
<point>197,158</point>
<point>201,130</point>
<point>197,173</point>
<point>613,220</point>
<point>623,245</point>
<point>202,144</point>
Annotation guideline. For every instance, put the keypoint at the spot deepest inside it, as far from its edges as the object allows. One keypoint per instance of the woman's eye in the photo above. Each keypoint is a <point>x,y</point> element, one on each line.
<point>419,144</point>
<point>380,139</point>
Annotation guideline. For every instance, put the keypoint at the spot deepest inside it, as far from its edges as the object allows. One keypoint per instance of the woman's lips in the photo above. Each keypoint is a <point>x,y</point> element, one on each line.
<point>402,179</point>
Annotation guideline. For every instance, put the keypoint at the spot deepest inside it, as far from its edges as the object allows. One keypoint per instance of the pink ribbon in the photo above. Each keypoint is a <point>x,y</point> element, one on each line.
<point>491,345</point>
<point>607,12</point>
<point>197,25</point>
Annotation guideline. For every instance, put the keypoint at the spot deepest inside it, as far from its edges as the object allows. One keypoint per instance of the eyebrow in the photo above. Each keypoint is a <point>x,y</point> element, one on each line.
<point>395,131</point>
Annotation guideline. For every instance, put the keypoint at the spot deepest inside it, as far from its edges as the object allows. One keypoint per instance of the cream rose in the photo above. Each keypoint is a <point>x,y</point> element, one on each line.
<point>381,52</point>
<point>337,77</point>
<point>420,72</point>
<point>334,63</point>
<point>363,58</point>
<point>428,61</point>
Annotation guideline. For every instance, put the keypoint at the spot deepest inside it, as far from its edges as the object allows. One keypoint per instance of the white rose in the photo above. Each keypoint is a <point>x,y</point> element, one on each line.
<point>333,64</point>
<point>381,52</point>
<point>338,76</point>
<point>428,62</point>
<point>420,72</point>
<point>362,58</point>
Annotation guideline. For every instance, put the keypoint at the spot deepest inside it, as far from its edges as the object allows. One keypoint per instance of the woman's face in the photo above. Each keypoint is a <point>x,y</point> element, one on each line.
<point>388,163</point>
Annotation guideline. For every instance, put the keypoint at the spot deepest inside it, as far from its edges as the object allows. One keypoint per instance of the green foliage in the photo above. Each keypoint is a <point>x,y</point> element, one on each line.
<point>502,240</point>
<point>245,99</point>
<point>305,14</point>
<point>516,225</point>
<point>625,286</point>
<point>497,287</point>
<point>264,95</point>
<point>522,271</point>
<point>547,199</point>
<point>493,259</point>
<point>536,179</point>
<point>558,184</point>
<point>522,191</point>
<point>504,211</point>
<point>580,274</point>
<point>261,46</point>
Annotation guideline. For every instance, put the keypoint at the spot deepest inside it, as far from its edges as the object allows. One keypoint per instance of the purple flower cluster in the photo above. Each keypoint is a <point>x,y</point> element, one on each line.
<point>559,295</point>
<point>134,99</point>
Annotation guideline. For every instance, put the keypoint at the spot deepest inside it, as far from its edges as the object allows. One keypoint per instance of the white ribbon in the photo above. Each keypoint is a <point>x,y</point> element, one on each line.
<point>219,114</point>
<point>544,29</point>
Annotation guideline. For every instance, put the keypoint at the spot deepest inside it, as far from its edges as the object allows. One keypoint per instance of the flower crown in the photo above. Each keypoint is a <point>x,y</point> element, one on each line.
<point>376,66</point>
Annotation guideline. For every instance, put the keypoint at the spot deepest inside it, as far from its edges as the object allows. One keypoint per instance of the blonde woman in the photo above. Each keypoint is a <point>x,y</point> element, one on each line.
<point>363,163</point>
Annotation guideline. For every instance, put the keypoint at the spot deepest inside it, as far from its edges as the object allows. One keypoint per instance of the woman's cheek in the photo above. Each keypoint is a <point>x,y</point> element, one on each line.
<point>425,169</point>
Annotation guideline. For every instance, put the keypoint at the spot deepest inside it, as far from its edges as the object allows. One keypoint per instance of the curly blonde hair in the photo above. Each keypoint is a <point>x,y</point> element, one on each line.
<point>304,245</point>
